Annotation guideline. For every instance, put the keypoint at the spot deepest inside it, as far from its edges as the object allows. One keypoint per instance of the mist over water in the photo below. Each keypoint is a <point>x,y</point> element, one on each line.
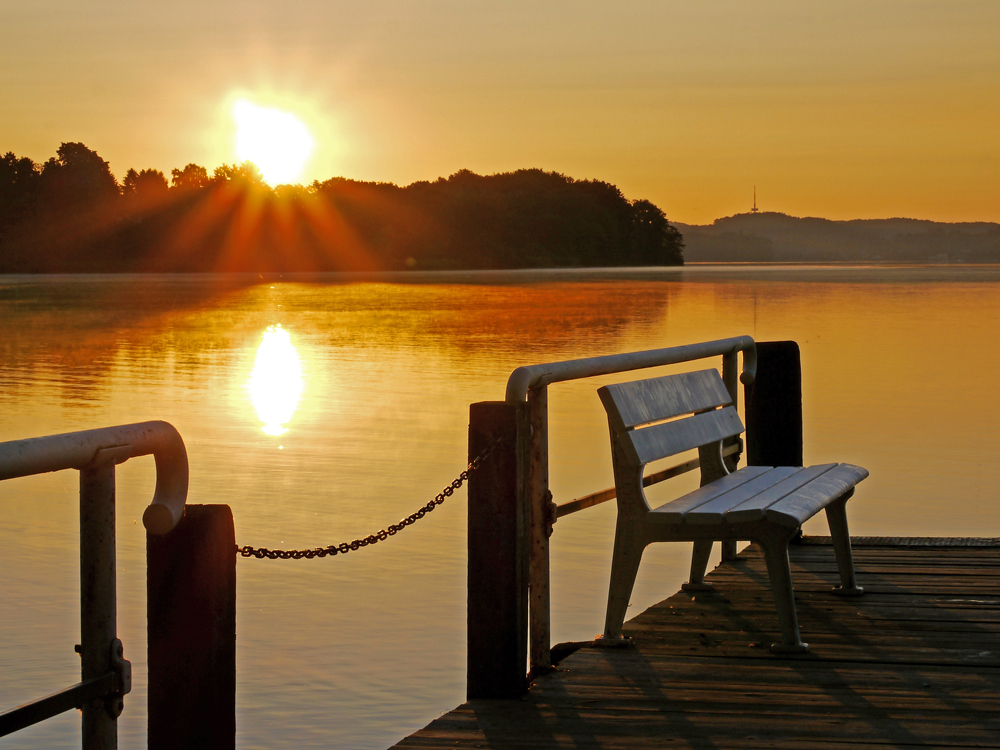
<point>325,408</point>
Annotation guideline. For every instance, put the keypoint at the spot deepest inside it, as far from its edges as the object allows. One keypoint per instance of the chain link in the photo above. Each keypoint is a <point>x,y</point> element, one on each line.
<point>344,547</point>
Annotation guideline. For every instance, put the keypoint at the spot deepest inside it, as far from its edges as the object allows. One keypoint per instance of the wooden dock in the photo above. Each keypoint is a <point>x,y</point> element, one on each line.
<point>915,662</point>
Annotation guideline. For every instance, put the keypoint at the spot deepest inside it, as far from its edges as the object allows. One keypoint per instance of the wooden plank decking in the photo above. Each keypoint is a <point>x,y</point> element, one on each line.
<point>915,662</point>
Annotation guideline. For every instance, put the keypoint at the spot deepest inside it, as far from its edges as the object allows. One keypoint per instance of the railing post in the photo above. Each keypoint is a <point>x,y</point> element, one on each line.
<point>98,608</point>
<point>191,632</point>
<point>94,453</point>
<point>540,656</point>
<point>730,376</point>
<point>774,406</point>
<point>498,552</point>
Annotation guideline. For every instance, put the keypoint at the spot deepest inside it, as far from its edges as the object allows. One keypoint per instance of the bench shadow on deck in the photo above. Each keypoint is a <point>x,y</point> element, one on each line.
<point>915,662</point>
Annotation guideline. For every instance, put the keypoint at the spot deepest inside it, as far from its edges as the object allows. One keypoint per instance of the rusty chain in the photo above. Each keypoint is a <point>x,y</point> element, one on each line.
<point>344,547</point>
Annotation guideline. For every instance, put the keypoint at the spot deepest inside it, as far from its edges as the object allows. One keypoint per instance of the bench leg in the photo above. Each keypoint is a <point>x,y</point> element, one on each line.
<point>778,570</point>
<point>624,566</point>
<point>699,564</point>
<point>836,516</point>
<point>728,550</point>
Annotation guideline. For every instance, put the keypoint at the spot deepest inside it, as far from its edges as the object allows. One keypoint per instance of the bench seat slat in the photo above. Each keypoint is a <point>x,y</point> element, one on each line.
<point>644,401</point>
<point>714,511</point>
<point>670,438</point>
<point>804,503</point>
<point>675,510</point>
<point>754,508</point>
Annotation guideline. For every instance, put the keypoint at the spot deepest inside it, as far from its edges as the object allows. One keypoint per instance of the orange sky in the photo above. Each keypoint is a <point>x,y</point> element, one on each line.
<point>843,110</point>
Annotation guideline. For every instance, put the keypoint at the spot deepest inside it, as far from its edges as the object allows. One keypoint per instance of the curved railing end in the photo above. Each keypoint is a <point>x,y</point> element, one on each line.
<point>166,509</point>
<point>518,383</point>
<point>79,450</point>
<point>749,350</point>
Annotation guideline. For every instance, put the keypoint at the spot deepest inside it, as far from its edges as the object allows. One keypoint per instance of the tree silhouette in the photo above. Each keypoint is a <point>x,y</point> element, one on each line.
<point>20,180</point>
<point>192,177</point>
<point>145,188</point>
<point>524,219</point>
<point>246,174</point>
<point>77,178</point>
<point>654,241</point>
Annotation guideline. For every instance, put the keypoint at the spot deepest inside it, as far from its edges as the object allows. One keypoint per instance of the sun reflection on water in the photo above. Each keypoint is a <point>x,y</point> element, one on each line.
<point>276,381</point>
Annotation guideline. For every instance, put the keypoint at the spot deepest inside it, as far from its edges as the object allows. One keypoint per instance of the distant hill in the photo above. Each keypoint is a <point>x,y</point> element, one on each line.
<point>777,237</point>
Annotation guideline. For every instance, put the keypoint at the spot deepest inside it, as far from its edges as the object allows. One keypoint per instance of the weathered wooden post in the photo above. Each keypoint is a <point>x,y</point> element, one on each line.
<point>498,551</point>
<point>191,631</point>
<point>774,406</point>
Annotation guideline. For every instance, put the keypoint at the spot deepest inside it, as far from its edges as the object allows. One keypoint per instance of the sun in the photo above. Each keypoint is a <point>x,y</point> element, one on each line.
<point>277,142</point>
<point>276,381</point>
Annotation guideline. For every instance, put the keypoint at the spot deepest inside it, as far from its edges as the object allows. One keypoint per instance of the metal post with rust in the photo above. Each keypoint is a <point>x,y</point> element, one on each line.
<point>539,628</point>
<point>730,376</point>
<point>498,542</point>
<point>191,632</point>
<point>98,608</point>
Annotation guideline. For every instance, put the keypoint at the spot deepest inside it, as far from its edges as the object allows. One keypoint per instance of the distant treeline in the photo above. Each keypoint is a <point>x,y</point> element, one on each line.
<point>776,237</point>
<point>70,214</point>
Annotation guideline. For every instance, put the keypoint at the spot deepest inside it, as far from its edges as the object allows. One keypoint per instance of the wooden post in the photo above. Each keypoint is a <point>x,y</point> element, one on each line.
<point>774,406</point>
<point>498,552</point>
<point>191,631</point>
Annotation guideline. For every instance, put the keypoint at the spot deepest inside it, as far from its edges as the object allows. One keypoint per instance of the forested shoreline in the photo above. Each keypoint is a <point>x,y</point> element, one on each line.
<point>71,215</point>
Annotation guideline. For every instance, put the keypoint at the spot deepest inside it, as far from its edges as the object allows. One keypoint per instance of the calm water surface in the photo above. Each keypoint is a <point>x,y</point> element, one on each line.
<point>322,409</point>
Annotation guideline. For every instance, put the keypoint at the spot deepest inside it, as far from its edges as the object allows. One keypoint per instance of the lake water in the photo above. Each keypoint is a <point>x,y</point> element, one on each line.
<point>322,409</point>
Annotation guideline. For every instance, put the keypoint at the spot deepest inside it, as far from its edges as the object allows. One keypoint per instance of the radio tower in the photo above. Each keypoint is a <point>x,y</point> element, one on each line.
<point>754,209</point>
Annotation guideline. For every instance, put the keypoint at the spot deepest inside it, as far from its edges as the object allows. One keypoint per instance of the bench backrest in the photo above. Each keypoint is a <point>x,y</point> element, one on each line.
<point>660,417</point>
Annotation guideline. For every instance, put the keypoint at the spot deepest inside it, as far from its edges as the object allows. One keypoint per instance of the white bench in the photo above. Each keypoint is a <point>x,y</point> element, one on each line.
<point>660,417</point>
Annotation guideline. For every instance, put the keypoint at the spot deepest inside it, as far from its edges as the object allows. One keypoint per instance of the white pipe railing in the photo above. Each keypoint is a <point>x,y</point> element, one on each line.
<point>74,450</point>
<point>105,675</point>
<point>524,379</point>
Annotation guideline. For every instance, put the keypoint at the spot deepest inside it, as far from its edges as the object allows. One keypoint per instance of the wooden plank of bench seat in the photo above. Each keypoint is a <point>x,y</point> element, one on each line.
<point>714,511</point>
<point>670,438</point>
<point>806,502</point>
<point>673,512</point>
<point>753,508</point>
<point>644,401</point>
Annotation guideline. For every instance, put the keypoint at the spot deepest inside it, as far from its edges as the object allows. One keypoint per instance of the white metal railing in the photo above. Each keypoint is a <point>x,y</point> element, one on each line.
<point>105,675</point>
<point>531,383</point>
